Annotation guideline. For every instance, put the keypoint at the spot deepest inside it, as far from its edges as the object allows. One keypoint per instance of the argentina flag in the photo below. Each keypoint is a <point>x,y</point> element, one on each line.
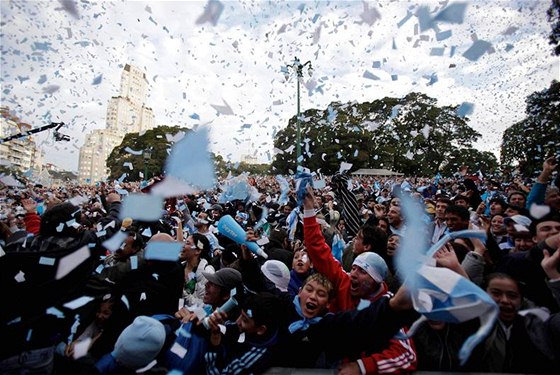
<point>438,293</point>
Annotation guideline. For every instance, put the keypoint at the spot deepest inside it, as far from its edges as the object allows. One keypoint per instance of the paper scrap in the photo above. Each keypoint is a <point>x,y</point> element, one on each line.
<point>178,350</point>
<point>165,251</point>
<point>78,302</point>
<point>142,207</point>
<point>71,261</point>
<point>46,261</point>
<point>20,277</point>
<point>115,242</point>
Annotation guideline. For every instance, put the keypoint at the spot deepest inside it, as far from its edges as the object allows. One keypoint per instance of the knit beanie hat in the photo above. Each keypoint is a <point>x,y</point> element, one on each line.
<point>139,343</point>
<point>373,264</point>
<point>277,272</point>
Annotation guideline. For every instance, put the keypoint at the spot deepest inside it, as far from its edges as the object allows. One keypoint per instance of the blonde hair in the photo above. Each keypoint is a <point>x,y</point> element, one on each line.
<point>322,280</point>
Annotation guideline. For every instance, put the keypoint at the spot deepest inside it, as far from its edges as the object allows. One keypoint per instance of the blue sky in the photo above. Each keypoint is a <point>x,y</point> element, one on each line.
<point>59,67</point>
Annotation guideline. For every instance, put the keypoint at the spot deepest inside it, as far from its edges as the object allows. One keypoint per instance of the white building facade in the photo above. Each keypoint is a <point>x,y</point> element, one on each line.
<point>126,113</point>
<point>21,153</point>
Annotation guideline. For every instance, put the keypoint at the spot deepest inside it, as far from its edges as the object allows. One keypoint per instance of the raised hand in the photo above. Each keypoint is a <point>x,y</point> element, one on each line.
<point>550,264</point>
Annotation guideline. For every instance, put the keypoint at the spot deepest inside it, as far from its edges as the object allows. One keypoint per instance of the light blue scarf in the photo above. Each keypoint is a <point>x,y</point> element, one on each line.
<point>304,323</point>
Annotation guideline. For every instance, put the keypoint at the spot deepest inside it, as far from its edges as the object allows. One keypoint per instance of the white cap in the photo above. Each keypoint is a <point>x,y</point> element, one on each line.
<point>277,272</point>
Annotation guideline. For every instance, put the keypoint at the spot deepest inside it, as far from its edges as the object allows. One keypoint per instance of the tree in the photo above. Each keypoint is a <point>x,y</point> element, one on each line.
<point>154,140</point>
<point>553,14</point>
<point>536,137</point>
<point>411,135</point>
<point>475,160</point>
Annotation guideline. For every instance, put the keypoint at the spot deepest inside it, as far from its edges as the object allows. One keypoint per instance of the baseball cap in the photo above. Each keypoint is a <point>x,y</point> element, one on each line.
<point>140,342</point>
<point>227,278</point>
<point>521,220</point>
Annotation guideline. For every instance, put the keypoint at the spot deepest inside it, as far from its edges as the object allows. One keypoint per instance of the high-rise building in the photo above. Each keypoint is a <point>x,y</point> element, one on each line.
<point>18,153</point>
<point>126,113</point>
<point>93,155</point>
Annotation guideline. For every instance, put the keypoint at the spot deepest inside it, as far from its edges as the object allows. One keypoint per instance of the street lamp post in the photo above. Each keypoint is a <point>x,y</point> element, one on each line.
<point>297,67</point>
<point>147,156</point>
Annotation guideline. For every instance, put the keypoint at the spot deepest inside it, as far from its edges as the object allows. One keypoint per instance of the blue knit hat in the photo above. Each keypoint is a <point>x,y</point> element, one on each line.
<point>139,343</point>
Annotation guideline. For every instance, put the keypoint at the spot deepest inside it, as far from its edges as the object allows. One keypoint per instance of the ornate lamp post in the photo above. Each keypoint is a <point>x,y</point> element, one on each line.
<point>147,156</point>
<point>297,67</point>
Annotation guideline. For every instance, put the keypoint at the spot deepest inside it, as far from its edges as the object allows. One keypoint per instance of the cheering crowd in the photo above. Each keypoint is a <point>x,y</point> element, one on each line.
<point>312,281</point>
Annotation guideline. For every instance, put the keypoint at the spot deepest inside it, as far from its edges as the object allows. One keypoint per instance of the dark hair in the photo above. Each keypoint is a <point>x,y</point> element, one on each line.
<point>552,216</point>
<point>374,237</point>
<point>264,308</point>
<point>502,275</point>
<point>516,192</point>
<point>60,214</point>
<point>500,201</point>
<point>138,242</point>
<point>206,248</point>
<point>519,210</point>
<point>444,200</point>
<point>460,211</point>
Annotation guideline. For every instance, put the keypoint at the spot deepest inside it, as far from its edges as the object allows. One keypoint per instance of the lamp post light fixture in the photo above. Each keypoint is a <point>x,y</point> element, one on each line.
<point>147,156</point>
<point>297,67</point>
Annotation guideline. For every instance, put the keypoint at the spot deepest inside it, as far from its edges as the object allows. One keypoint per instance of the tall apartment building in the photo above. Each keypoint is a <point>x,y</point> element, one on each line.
<point>126,113</point>
<point>20,154</point>
<point>93,155</point>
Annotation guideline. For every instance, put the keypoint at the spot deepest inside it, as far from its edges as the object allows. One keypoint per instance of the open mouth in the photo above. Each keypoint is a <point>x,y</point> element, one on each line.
<point>310,309</point>
<point>354,286</point>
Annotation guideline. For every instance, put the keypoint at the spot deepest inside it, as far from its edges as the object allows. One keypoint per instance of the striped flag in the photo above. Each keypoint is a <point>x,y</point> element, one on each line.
<point>347,199</point>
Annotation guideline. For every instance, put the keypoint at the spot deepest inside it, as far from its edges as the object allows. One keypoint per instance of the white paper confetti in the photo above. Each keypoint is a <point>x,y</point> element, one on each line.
<point>20,277</point>
<point>68,263</point>
<point>538,211</point>
<point>178,350</point>
<point>114,243</point>
<point>81,348</point>
<point>78,302</point>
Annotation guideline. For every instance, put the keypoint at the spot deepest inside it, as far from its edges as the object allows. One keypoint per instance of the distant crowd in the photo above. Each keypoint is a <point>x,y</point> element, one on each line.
<point>266,272</point>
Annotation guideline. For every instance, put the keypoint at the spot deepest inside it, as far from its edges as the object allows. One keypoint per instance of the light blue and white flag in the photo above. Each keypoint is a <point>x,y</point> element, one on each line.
<point>439,293</point>
<point>291,222</point>
<point>284,189</point>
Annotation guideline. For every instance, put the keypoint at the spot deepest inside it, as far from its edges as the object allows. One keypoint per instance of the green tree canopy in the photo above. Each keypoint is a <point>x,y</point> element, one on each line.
<point>154,140</point>
<point>530,141</point>
<point>411,135</point>
<point>484,161</point>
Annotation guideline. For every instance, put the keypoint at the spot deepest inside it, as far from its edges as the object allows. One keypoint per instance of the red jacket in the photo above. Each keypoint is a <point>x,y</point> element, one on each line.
<point>32,223</point>
<point>400,355</point>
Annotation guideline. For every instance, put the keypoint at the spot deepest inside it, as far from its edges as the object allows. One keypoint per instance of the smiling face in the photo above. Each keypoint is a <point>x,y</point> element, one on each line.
<point>313,299</point>
<point>189,250</point>
<point>497,225</point>
<point>506,294</point>
<point>394,216</point>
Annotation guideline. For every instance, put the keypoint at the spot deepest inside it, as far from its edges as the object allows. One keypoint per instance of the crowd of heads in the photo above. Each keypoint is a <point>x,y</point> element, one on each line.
<point>125,285</point>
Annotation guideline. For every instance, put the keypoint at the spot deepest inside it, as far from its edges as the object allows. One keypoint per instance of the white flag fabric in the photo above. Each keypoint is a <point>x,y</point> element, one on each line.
<point>439,293</point>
